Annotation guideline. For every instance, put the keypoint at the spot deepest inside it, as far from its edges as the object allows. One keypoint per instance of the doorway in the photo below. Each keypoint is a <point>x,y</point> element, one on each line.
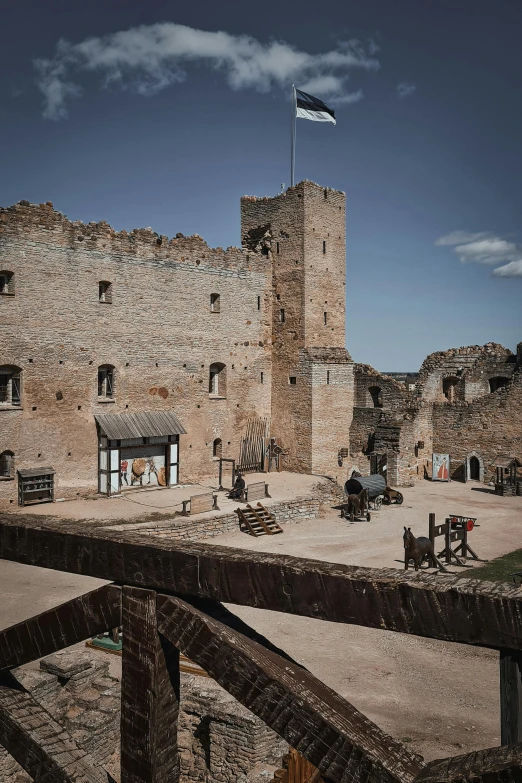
<point>474,469</point>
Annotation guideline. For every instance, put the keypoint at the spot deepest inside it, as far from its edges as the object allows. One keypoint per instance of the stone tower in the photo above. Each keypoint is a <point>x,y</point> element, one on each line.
<point>312,373</point>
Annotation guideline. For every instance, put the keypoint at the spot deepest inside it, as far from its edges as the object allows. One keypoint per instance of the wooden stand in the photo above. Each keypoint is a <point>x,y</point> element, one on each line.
<point>35,485</point>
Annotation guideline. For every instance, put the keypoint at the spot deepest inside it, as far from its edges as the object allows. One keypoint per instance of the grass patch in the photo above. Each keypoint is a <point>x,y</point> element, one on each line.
<point>500,569</point>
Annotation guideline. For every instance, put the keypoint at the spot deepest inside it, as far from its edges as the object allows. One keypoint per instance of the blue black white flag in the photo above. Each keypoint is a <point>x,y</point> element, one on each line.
<point>310,108</point>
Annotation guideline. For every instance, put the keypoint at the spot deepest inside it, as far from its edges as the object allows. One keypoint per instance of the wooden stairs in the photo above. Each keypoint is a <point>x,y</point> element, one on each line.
<point>257,521</point>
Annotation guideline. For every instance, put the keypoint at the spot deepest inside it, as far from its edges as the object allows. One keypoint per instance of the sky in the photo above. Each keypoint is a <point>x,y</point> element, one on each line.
<point>164,114</point>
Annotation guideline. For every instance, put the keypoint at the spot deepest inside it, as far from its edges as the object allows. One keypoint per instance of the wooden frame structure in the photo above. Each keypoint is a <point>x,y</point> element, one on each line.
<point>169,599</point>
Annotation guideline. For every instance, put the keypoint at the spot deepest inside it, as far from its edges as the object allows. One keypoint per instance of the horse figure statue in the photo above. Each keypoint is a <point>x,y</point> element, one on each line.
<point>417,549</point>
<point>355,506</point>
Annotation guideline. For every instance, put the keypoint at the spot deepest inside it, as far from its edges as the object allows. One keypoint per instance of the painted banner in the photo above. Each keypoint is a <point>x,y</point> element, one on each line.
<point>440,467</point>
<point>142,466</point>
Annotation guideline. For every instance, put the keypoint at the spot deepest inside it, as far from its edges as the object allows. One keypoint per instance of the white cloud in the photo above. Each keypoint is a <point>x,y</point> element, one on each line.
<point>404,89</point>
<point>149,58</point>
<point>459,238</point>
<point>513,269</point>
<point>485,248</point>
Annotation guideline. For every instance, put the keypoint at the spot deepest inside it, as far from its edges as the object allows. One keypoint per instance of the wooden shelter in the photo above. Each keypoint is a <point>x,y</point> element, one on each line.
<point>507,478</point>
<point>169,597</point>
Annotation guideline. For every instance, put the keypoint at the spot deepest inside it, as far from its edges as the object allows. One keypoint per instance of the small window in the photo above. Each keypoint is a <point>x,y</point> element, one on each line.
<point>277,248</point>
<point>324,247</point>
<point>7,284</point>
<point>292,380</point>
<point>282,316</point>
<point>105,292</point>
<point>325,318</point>
<point>217,448</point>
<point>259,303</point>
<point>10,385</point>
<point>328,376</point>
<point>6,465</point>
<point>262,379</point>
<point>106,381</point>
<point>217,380</point>
<point>497,383</point>
<point>214,303</point>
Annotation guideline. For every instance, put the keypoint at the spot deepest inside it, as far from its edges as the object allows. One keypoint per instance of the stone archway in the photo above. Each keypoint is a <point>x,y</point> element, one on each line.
<point>474,467</point>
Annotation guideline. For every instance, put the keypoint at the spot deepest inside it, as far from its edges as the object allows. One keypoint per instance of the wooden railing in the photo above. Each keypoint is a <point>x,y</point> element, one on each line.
<point>168,598</point>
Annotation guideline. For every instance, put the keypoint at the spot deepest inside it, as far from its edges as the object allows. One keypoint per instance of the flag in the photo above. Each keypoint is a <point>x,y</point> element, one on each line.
<point>310,108</point>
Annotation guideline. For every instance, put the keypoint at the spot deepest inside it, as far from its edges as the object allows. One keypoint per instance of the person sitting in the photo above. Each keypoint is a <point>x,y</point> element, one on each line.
<point>238,488</point>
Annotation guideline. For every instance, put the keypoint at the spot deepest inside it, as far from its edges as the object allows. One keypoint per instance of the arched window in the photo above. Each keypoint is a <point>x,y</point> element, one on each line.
<point>105,292</point>
<point>214,303</point>
<point>106,381</point>
<point>217,383</point>
<point>217,448</point>
<point>10,385</point>
<point>7,287</point>
<point>376,395</point>
<point>497,383</point>
<point>449,388</point>
<point>6,465</point>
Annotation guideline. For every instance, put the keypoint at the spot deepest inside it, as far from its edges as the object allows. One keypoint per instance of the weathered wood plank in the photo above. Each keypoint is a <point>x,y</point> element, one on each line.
<point>493,765</point>
<point>440,606</point>
<point>38,743</point>
<point>201,503</point>
<point>332,734</point>
<point>510,697</point>
<point>149,695</point>
<point>67,624</point>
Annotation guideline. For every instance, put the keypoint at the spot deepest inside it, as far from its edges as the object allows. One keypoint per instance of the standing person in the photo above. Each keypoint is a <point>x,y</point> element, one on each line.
<point>123,468</point>
<point>238,488</point>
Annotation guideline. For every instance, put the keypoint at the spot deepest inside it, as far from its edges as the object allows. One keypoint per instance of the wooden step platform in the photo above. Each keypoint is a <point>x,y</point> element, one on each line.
<point>257,521</point>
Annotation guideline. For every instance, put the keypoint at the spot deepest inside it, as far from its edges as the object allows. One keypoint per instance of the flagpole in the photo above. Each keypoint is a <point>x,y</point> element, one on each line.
<point>294,112</point>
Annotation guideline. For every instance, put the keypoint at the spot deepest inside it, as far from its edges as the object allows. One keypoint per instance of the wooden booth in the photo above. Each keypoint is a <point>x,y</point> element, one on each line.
<point>508,480</point>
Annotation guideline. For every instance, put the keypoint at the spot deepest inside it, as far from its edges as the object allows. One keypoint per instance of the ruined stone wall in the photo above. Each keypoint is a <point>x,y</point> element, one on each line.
<point>219,740</point>
<point>159,334</point>
<point>308,248</point>
<point>471,366</point>
<point>395,395</point>
<point>488,426</point>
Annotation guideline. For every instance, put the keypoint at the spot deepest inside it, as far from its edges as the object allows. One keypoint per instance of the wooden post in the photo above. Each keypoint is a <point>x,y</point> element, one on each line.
<point>510,697</point>
<point>149,694</point>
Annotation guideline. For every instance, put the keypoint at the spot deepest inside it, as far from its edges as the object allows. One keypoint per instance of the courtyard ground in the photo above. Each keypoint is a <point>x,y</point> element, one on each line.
<point>441,699</point>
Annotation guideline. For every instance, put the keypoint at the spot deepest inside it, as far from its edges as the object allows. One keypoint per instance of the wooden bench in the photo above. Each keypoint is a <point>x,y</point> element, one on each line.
<point>199,504</point>
<point>256,491</point>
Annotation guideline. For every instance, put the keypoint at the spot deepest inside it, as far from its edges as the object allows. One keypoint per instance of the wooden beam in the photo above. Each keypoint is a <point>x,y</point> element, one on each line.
<point>493,765</point>
<point>332,734</point>
<point>67,624</point>
<point>149,695</point>
<point>38,743</point>
<point>440,606</point>
<point>510,697</point>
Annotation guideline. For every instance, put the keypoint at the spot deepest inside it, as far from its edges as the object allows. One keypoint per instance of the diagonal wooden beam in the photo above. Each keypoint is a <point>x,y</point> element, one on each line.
<point>332,734</point>
<point>440,606</point>
<point>38,743</point>
<point>67,624</point>
<point>149,695</point>
<point>493,765</point>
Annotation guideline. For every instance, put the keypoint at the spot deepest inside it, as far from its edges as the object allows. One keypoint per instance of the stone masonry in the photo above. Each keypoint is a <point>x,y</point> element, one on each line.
<point>219,740</point>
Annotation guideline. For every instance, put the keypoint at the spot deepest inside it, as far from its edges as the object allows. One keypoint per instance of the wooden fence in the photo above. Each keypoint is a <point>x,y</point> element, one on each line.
<point>169,599</point>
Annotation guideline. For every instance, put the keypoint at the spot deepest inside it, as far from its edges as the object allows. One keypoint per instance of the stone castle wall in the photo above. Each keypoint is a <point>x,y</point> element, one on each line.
<point>308,248</point>
<point>159,334</point>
